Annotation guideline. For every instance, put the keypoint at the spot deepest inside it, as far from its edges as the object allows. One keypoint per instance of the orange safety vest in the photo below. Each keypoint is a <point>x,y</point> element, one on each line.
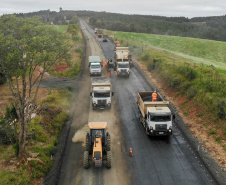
<point>154,96</point>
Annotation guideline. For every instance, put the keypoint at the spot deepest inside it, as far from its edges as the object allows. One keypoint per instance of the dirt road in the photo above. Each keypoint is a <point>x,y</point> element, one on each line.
<point>72,171</point>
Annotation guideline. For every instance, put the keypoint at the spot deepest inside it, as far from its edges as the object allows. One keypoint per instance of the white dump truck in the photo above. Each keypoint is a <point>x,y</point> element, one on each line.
<point>95,65</point>
<point>122,55</point>
<point>101,92</point>
<point>123,69</point>
<point>155,116</point>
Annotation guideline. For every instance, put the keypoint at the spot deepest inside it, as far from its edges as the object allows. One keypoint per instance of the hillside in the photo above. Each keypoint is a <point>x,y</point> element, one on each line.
<point>197,50</point>
<point>213,28</point>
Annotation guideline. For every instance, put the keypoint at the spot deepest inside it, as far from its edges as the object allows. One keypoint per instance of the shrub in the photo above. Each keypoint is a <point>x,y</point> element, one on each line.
<point>16,177</point>
<point>211,132</point>
<point>192,92</point>
<point>221,107</point>
<point>78,50</point>
<point>175,82</point>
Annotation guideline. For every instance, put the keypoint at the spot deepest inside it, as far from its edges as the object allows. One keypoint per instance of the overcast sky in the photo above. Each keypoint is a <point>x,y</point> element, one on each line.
<point>186,8</point>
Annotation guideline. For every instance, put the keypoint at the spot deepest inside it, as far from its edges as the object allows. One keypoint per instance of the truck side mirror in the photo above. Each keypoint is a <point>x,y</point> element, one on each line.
<point>112,93</point>
<point>90,93</point>
<point>174,116</point>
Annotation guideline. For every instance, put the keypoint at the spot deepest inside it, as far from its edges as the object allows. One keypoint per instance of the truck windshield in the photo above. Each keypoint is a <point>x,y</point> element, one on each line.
<point>101,95</point>
<point>160,118</point>
<point>123,65</point>
<point>95,66</point>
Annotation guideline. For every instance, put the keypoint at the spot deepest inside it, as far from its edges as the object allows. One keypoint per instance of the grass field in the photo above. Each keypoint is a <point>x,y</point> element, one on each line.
<point>61,27</point>
<point>197,50</point>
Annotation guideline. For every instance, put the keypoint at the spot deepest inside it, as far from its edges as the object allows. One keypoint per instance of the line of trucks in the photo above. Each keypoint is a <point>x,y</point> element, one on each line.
<point>153,110</point>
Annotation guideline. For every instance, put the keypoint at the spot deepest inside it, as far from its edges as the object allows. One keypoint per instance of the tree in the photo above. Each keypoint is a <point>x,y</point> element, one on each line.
<point>25,46</point>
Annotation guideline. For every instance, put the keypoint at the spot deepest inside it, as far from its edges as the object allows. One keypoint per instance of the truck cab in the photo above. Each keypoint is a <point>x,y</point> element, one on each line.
<point>123,69</point>
<point>159,121</point>
<point>95,69</point>
<point>101,97</point>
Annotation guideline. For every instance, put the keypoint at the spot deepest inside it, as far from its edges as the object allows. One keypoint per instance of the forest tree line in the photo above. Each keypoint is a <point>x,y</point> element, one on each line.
<point>213,28</point>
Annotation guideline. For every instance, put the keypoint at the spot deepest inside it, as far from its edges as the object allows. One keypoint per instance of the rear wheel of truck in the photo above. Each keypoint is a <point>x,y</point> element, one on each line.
<point>86,160</point>
<point>108,163</point>
<point>108,146</point>
<point>87,144</point>
<point>146,130</point>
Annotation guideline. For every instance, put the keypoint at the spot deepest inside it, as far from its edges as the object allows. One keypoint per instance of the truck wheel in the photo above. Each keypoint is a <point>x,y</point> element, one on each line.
<point>86,160</point>
<point>108,164</point>
<point>87,144</point>
<point>146,129</point>
<point>108,146</point>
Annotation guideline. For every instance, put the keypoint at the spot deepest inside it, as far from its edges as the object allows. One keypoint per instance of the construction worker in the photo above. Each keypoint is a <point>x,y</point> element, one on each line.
<point>109,72</point>
<point>108,63</point>
<point>154,96</point>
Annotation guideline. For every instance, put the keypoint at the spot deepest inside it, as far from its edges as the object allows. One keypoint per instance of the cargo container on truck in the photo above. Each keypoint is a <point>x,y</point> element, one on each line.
<point>155,116</point>
<point>101,92</point>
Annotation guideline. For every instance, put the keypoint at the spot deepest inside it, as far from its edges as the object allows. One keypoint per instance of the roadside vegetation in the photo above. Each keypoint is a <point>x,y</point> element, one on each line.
<point>43,132</point>
<point>70,68</point>
<point>28,138</point>
<point>201,85</point>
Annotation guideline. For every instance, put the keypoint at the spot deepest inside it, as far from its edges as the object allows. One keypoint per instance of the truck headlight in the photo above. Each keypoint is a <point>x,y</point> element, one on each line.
<point>109,102</point>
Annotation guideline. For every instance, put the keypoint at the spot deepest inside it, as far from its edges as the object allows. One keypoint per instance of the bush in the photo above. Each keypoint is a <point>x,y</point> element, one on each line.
<point>2,78</point>
<point>78,50</point>
<point>221,107</point>
<point>192,92</point>
<point>16,177</point>
<point>175,82</point>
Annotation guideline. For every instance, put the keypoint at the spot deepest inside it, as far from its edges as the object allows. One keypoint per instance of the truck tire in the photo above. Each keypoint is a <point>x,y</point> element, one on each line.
<point>108,163</point>
<point>108,146</point>
<point>87,144</point>
<point>86,160</point>
<point>146,129</point>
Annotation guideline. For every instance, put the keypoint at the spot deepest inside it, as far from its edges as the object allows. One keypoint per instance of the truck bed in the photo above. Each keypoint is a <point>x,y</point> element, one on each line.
<point>144,100</point>
<point>100,81</point>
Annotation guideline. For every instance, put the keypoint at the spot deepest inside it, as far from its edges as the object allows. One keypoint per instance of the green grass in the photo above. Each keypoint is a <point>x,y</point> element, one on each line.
<point>61,28</point>
<point>17,177</point>
<point>197,50</point>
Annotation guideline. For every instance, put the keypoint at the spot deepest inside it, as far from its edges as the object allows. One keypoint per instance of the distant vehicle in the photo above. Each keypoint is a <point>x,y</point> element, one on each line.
<point>154,114</point>
<point>95,65</point>
<point>101,92</point>
<point>98,143</point>
<point>99,34</point>
<point>105,38</point>
<point>117,44</point>
<point>96,30</point>
<point>123,69</point>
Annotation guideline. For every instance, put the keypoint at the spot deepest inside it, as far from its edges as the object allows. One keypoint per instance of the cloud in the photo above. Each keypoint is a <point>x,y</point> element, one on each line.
<point>187,8</point>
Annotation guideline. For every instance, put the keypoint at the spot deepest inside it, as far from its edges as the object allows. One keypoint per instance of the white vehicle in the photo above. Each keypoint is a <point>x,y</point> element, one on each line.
<point>122,54</point>
<point>95,69</point>
<point>155,116</point>
<point>101,92</point>
<point>96,30</point>
<point>123,69</point>
<point>95,65</point>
